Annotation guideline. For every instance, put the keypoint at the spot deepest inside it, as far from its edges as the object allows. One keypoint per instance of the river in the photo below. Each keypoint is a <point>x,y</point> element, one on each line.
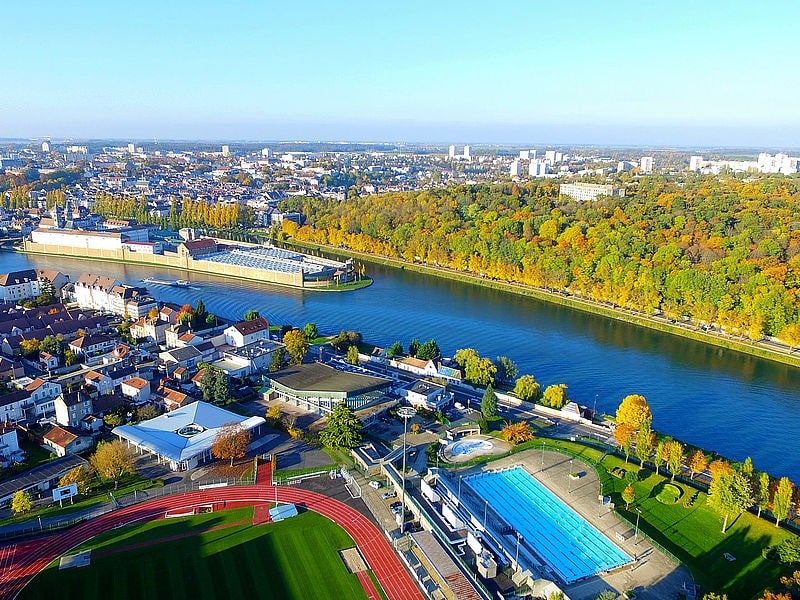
<point>721,400</point>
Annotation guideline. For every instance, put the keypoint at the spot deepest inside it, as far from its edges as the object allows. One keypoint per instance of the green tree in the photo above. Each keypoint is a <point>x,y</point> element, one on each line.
<point>222,388</point>
<point>112,420</point>
<point>762,493</point>
<point>480,371</point>
<point>730,494</point>
<point>147,412</point>
<point>206,383</point>
<point>634,411</point>
<point>464,355</point>
<point>645,442</point>
<point>352,355</point>
<point>70,358</point>
<point>527,388</point>
<point>343,429</point>
<point>251,315</point>
<point>428,351</point>
<point>489,403</point>
<point>413,347</point>
<point>310,331</point>
<point>782,500</point>
<point>396,349</point>
<point>675,459</point>
<point>555,396</point>
<point>628,496</point>
<point>296,345</point>
<point>278,359</point>
<point>113,460</point>
<point>506,369</point>
<point>21,502</point>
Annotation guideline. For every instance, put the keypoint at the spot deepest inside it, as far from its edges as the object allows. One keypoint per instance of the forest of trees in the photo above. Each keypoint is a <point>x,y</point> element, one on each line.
<point>716,250</point>
<point>190,213</point>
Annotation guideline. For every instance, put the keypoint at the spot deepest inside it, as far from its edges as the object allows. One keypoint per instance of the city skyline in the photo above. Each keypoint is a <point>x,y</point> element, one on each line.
<point>690,75</point>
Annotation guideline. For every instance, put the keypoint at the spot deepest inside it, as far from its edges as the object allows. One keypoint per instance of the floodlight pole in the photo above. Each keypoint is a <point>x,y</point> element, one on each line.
<point>485,509</point>
<point>570,475</point>
<point>516,559</point>
<point>638,514</point>
<point>406,412</point>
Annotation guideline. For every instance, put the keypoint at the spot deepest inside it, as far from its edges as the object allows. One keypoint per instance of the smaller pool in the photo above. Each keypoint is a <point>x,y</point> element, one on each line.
<point>464,447</point>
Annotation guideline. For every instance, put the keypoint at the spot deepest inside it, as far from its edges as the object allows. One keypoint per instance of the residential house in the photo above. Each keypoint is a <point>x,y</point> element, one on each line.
<point>10,369</point>
<point>150,329</point>
<point>19,285</point>
<point>187,356</point>
<point>130,302</point>
<point>67,440</point>
<point>57,279</point>
<point>92,345</point>
<point>17,406</point>
<point>48,362</point>
<point>425,368</point>
<point>247,360</point>
<point>247,332</point>
<point>43,393</point>
<point>426,394</point>
<point>118,373</point>
<point>9,445</point>
<point>173,334</point>
<point>71,407</point>
<point>171,399</point>
<point>102,383</point>
<point>136,389</point>
<point>92,291</point>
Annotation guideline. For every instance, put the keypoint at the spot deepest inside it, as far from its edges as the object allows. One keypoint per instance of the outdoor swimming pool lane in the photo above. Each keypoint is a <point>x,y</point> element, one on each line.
<point>569,544</point>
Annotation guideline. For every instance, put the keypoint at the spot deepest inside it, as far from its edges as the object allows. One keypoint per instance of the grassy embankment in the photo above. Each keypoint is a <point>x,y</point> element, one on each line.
<point>216,555</point>
<point>574,302</point>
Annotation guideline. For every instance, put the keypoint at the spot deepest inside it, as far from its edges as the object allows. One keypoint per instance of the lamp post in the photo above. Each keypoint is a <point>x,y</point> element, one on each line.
<point>406,412</point>
<point>594,410</point>
<point>459,489</point>
<point>638,514</point>
<point>543,443</point>
<point>516,558</point>
<point>485,508</point>
<point>570,475</point>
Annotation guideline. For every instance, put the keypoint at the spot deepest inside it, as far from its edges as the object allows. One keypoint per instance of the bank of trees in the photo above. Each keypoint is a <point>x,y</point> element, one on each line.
<point>715,250</point>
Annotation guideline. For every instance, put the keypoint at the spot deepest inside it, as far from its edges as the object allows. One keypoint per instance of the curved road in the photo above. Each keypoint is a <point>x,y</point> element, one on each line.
<point>19,563</point>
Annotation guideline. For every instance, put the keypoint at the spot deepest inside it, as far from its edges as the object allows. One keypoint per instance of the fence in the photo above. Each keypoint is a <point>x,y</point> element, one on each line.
<point>41,526</point>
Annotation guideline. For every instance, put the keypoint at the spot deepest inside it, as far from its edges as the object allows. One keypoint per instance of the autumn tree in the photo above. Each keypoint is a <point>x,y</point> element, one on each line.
<point>718,467</point>
<point>634,411</point>
<point>231,441</point>
<point>527,388</point>
<point>147,412</point>
<point>697,462</point>
<point>489,403</point>
<point>790,335</point>
<point>296,345</point>
<point>352,355</point>
<point>782,500</point>
<point>730,494</point>
<point>21,502</point>
<point>623,434</point>
<point>343,429</point>
<point>555,396</point>
<point>517,433</point>
<point>661,454</point>
<point>113,460</point>
<point>628,496</point>
<point>80,476</point>
<point>274,414</point>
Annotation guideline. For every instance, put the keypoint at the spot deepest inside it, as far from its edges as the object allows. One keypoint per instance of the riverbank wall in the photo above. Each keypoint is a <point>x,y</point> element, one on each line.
<point>685,330</point>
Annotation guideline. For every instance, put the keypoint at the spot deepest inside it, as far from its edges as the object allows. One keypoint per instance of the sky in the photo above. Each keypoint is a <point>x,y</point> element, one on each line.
<point>699,73</point>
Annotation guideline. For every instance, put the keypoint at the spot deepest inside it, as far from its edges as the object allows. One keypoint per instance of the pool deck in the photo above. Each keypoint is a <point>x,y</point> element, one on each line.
<point>653,576</point>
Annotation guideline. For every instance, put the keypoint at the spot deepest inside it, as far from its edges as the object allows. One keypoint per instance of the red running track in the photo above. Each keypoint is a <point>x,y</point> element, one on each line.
<point>20,562</point>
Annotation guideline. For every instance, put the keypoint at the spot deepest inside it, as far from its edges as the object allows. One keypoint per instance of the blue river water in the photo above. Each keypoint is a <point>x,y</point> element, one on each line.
<point>721,400</point>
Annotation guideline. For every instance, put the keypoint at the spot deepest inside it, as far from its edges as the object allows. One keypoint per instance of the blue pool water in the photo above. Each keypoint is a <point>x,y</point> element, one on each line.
<point>569,544</point>
<point>462,447</point>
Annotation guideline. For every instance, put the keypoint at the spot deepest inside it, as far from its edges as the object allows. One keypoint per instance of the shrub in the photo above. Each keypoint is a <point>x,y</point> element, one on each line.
<point>669,494</point>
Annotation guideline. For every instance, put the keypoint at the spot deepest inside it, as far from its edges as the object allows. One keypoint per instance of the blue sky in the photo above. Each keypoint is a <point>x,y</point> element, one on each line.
<point>670,73</point>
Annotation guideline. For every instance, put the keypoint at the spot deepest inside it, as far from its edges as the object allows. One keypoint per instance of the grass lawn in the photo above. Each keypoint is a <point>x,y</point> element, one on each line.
<point>694,533</point>
<point>296,558</point>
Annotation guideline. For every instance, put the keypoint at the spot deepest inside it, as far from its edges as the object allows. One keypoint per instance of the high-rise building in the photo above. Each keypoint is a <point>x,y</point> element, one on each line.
<point>646,165</point>
<point>514,169</point>
<point>266,152</point>
<point>45,146</point>
<point>537,168</point>
<point>524,154</point>
<point>226,151</point>
<point>696,163</point>
<point>452,153</point>
<point>466,152</point>
<point>550,156</point>
<point>131,148</point>
<point>583,192</point>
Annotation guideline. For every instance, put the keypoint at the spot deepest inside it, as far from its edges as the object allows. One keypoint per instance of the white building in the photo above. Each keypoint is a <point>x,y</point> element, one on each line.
<point>247,332</point>
<point>513,170</point>
<point>524,154</point>
<point>93,291</point>
<point>136,389</point>
<point>19,285</point>
<point>583,192</point>
<point>696,163</point>
<point>427,394</point>
<point>226,151</point>
<point>537,168</point>
<point>466,153</point>
<point>92,240</point>
<point>131,148</point>
<point>452,151</point>
<point>646,165</point>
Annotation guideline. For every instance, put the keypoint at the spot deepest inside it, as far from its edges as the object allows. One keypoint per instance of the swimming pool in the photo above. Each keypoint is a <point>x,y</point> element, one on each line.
<point>569,544</point>
<point>462,447</point>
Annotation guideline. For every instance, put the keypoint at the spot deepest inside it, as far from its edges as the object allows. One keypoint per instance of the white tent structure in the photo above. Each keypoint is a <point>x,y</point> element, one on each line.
<point>183,437</point>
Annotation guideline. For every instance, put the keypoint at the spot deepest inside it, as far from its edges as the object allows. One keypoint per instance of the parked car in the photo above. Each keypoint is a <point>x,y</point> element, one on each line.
<point>375,484</point>
<point>389,494</point>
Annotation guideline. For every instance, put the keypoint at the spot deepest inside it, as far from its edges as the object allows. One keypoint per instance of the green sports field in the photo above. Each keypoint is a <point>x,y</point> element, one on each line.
<point>216,555</point>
